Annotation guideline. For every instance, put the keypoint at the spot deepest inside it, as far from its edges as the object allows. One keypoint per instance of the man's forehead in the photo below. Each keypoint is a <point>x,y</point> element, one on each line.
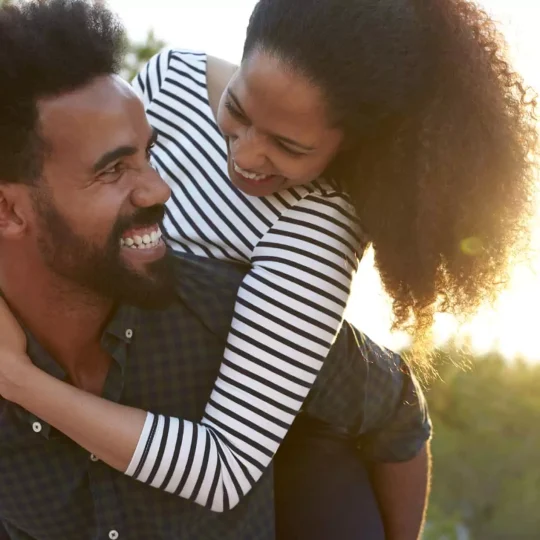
<point>90,119</point>
<point>105,92</point>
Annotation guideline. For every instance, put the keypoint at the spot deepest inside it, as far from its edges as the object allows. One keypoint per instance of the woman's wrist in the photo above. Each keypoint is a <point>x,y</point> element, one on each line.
<point>17,376</point>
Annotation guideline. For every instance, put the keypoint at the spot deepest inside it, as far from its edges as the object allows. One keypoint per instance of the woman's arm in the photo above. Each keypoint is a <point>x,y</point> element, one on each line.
<point>288,311</point>
<point>106,429</point>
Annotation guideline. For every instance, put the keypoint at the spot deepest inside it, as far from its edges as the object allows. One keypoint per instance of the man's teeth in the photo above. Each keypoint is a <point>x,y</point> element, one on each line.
<point>251,176</point>
<point>146,241</point>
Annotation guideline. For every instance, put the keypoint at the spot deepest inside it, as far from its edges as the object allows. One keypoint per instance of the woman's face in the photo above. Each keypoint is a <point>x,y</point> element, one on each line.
<point>277,127</point>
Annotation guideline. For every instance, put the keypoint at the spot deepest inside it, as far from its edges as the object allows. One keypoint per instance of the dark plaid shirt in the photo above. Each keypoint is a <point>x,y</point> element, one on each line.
<point>166,362</point>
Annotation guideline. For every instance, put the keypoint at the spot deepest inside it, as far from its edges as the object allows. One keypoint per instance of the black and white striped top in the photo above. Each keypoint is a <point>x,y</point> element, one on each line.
<point>302,245</point>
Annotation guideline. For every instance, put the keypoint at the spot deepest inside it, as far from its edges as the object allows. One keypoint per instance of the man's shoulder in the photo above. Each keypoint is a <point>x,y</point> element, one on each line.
<point>196,271</point>
<point>208,287</point>
<point>359,382</point>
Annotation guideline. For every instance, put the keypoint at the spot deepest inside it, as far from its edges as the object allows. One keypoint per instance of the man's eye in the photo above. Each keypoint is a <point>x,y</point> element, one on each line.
<point>112,173</point>
<point>149,151</point>
<point>112,170</point>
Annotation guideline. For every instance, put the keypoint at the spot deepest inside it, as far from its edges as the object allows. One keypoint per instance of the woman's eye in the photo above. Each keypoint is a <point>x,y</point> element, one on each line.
<point>235,113</point>
<point>290,151</point>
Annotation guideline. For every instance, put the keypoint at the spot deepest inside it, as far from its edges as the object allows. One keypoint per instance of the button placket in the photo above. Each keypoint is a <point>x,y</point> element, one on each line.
<point>108,510</point>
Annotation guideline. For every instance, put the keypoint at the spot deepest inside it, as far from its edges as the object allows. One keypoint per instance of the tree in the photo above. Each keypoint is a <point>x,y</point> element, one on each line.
<point>486,447</point>
<point>139,53</point>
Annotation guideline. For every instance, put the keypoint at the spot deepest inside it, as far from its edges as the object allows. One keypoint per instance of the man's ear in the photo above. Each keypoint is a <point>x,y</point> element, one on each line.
<point>13,210</point>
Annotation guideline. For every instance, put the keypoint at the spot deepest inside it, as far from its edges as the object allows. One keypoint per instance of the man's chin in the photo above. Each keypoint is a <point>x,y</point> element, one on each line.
<point>155,289</point>
<point>152,287</point>
<point>151,300</point>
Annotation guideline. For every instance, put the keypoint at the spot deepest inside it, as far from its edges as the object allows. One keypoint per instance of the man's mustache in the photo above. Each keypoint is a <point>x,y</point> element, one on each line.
<point>144,217</point>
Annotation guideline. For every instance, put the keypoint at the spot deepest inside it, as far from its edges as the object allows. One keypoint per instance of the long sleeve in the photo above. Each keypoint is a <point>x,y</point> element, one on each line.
<point>302,247</point>
<point>288,311</point>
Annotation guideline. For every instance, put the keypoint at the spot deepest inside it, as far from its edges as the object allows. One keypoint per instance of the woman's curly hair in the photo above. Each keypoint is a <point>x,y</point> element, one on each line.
<point>440,139</point>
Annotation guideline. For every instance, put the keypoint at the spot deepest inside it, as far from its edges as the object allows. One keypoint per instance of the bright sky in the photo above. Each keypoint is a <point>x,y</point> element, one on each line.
<point>218,27</point>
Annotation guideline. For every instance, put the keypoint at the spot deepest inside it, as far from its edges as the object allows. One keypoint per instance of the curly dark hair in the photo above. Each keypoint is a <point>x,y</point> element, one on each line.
<point>47,47</point>
<point>440,139</point>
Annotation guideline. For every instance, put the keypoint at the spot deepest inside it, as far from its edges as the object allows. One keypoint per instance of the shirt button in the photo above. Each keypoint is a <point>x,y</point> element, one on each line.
<point>113,535</point>
<point>36,426</point>
<point>93,457</point>
<point>129,333</point>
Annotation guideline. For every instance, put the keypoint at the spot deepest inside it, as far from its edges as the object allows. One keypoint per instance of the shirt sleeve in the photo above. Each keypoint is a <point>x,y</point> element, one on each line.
<point>288,311</point>
<point>3,532</point>
<point>402,435</point>
<point>371,394</point>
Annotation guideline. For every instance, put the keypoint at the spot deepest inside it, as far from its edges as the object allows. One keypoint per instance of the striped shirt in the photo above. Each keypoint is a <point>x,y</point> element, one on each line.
<point>302,246</point>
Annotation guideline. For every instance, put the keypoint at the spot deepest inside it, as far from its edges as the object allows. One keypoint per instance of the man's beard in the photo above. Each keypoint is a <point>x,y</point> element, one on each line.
<point>101,270</point>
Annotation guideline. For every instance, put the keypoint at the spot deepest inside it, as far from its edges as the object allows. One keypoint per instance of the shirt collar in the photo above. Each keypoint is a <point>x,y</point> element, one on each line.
<point>123,323</point>
<point>120,330</point>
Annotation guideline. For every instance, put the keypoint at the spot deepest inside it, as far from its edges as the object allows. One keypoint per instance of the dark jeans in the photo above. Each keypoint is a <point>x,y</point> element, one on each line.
<point>323,491</point>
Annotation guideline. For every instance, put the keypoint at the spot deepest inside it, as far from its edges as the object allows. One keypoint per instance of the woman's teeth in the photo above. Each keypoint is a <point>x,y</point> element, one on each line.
<point>251,176</point>
<point>146,241</point>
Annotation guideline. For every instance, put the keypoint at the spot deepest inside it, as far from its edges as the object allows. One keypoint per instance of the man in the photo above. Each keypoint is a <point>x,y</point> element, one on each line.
<point>75,179</point>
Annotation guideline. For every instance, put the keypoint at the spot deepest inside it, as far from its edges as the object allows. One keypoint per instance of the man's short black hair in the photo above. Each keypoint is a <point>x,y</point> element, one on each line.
<point>47,47</point>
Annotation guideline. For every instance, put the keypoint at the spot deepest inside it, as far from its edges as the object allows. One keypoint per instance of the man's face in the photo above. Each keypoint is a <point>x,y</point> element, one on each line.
<point>99,204</point>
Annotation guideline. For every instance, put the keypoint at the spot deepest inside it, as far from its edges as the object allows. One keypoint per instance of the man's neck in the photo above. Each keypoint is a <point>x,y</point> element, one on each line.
<point>65,319</point>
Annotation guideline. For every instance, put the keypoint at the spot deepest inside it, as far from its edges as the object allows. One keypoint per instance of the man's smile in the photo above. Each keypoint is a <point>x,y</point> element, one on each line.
<point>143,244</point>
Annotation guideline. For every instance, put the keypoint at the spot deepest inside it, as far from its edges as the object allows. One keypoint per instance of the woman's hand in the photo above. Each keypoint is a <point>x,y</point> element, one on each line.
<point>12,336</point>
<point>13,357</point>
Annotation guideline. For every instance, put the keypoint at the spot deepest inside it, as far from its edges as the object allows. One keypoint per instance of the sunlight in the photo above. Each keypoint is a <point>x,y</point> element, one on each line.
<point>511,327</point>
<point>218,28</point>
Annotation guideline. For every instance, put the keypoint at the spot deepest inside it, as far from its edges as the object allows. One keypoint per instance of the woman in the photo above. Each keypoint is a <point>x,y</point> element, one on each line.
<point>401,115</point>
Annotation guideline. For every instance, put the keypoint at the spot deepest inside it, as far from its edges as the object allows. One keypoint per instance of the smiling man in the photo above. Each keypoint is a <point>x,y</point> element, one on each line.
<point>97,193</point>
<point>108,309</point>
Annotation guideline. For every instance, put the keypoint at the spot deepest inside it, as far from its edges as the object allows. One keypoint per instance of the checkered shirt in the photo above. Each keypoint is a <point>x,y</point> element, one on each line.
<point>166,362</point>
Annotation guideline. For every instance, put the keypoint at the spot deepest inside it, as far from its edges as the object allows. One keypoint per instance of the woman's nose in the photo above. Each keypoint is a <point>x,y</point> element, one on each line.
<point>248,152</point>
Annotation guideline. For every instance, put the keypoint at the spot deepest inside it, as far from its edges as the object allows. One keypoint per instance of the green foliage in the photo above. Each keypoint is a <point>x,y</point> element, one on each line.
<point>486,448</point>
<point>139,53</point>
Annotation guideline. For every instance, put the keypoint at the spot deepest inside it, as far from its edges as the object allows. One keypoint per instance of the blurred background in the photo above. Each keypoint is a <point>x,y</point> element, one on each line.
<point>486,413</point>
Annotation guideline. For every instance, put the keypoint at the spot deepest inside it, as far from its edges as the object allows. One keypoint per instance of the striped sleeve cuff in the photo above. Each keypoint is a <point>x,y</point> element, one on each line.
<point>145,441</point>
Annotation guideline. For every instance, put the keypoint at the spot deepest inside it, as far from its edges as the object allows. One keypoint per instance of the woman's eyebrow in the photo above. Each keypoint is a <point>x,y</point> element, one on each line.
<point>286,140</point>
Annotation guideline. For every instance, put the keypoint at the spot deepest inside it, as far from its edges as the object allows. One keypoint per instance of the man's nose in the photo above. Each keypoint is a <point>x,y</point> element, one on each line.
<point>152,190</point>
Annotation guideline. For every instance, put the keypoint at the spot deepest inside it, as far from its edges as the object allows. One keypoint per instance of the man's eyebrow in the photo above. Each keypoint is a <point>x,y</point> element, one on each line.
<point>275,135</point>
<point>120,152</point>
<point>113,155</point>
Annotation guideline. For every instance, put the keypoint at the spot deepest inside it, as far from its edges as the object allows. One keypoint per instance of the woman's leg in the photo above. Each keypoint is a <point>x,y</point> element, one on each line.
<point>322,488</point>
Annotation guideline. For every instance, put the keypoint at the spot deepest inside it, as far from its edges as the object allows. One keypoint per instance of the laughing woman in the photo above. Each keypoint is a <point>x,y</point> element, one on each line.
<point>395,123</point>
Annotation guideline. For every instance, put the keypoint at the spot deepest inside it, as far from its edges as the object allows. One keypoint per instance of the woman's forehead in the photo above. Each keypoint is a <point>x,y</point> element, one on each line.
<point>267,87</point>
